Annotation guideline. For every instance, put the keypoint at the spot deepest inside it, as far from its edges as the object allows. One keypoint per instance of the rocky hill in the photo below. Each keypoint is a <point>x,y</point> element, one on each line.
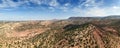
<point>60,34</point>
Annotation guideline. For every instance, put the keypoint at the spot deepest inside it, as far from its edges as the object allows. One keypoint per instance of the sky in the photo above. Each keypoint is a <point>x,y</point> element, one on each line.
<point>56,9</point>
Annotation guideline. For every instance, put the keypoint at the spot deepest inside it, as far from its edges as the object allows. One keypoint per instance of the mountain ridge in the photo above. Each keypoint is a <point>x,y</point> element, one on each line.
<point>95,18</point>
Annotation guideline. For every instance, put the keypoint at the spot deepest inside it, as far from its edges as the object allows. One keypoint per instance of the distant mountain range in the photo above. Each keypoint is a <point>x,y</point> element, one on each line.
<point>95,18</point>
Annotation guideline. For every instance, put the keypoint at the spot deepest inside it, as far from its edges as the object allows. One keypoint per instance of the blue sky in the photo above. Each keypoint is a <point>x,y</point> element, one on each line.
<point>56,9</point>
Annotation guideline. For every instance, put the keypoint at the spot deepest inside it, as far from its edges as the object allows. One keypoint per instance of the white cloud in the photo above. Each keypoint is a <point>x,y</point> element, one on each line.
<point>114,10</point>
<point>76,9</point>
<point>98,11</point>
<point>116,7</point>
<point>92,7</point>
<point>36,1</point>
<point>13,4</point>
<point>67,4</point>
<point>52,9</point>
<point>91,3</point>
<point>95,12</point>
<point>10,3</point>
<point>4,4</point>
<point>64,8</point>
<point>54,3</point>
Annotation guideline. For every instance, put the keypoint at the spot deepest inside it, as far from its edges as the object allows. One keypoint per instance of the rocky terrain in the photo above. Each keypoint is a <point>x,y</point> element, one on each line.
<point>72,33</point>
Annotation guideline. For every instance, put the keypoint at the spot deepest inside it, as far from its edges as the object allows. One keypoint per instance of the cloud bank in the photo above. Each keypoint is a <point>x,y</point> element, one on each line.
<point>82,7</point>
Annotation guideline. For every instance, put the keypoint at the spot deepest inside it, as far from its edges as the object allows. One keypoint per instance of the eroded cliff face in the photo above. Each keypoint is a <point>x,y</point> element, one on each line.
<point>60,34</point>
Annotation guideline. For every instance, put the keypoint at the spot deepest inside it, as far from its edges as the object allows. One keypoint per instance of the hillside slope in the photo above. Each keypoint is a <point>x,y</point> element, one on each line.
<point>86,35</point>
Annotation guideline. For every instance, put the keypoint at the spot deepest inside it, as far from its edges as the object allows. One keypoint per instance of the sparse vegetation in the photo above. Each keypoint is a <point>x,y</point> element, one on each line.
<point>61,34</point>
